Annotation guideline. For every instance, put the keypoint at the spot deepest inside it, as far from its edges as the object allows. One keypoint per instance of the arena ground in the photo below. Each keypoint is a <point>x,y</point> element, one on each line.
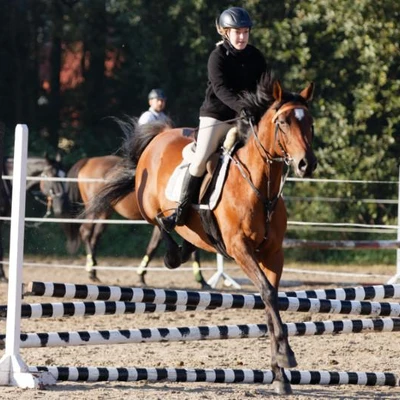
<point>370,352</point>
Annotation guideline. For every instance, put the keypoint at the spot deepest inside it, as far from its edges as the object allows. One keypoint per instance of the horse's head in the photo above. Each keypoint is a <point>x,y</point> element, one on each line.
<point>294,129</point>
<point>285,131</point>
<point>54,190</point>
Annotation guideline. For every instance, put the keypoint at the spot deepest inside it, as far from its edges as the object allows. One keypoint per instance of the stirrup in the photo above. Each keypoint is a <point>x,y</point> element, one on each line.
<point>168,224</point>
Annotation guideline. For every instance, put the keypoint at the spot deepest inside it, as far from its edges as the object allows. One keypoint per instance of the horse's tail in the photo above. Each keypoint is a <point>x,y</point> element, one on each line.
<point>74,207</point>
<point>123,183</point>
<point>137,137</point>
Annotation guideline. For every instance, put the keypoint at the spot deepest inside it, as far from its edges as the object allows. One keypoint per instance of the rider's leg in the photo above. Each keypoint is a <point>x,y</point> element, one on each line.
<point>211,132</point>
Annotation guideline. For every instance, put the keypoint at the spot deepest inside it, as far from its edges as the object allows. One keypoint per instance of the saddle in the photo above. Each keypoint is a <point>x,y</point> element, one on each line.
<point>214,178</point>
<point>211,187</point>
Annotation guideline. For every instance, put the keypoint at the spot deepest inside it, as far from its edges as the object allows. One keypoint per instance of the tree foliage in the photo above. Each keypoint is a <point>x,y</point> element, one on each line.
<point>126,47</point>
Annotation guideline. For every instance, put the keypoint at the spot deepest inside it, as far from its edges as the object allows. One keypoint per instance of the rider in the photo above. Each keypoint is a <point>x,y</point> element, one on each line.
<point>157,101</point>
<point>234,66</point>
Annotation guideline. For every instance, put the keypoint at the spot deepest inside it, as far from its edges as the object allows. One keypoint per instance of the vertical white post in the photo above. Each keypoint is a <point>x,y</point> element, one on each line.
<point>220,274</point>
<point>396,277</point>
<point>13,371</point>
<point>398,228</point>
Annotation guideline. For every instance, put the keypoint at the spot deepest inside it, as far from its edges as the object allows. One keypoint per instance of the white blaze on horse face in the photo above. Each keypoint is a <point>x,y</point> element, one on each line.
<point>299,113</point>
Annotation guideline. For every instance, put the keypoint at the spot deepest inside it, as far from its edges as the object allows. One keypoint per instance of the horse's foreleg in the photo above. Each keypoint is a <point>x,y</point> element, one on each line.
<point>172,257</point>
<point>150,250</point>
<point>282,355</point>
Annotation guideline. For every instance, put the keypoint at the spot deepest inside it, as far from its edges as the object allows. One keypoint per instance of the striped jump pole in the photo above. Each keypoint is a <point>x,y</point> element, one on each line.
<point>94,292</point>
<point>158,296</point>
<point>213,332</point>
<point>85,309</point>
<point>375,292</point>
<point>97,374</point>
<point>215,300</point>
<point>341,244</point>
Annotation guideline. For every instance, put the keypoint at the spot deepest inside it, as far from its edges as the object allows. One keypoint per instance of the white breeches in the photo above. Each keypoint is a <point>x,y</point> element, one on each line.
<point>211,132</point>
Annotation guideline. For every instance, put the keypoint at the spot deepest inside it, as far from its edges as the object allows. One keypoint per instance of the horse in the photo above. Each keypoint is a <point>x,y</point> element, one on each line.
<point>250,217</point>
<point>78,195</point>
<point>35,167</point>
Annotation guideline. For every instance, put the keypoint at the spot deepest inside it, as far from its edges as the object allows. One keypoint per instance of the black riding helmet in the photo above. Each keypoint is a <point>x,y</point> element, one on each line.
<point>157,94</point>
<point>235,17</point>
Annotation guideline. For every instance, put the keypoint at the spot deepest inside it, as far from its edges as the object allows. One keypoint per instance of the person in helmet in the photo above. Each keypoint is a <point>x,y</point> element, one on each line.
<point>157,101</point>
<point>233,66</point>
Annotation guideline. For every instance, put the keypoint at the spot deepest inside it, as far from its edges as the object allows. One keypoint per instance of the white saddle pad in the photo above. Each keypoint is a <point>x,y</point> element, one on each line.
<point>174,186</point>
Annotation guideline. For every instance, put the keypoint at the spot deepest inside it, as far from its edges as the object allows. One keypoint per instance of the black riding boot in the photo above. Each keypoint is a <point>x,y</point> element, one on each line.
<point>190,189</point>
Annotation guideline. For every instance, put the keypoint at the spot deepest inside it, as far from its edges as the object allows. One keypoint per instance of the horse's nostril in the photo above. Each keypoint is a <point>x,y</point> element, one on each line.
<point>303,165</point>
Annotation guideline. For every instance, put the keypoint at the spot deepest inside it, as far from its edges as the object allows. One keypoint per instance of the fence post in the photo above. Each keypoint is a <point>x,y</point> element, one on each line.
<point>13,370</point>
<point>396,277</point>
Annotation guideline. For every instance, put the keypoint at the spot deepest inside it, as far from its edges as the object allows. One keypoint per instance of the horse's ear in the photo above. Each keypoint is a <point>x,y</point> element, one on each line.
<point>277,91</point>
<point>308,92</point>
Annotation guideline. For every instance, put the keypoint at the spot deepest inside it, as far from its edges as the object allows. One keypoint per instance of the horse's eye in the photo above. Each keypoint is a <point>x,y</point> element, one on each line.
<point>283,122</point>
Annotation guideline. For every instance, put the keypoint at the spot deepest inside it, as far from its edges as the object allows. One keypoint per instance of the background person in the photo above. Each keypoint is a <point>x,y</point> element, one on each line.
<point>157,101</point>
<point>234,66</point>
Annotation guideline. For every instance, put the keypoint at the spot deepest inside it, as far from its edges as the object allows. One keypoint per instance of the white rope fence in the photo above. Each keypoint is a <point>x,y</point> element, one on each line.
<point>292,225</point>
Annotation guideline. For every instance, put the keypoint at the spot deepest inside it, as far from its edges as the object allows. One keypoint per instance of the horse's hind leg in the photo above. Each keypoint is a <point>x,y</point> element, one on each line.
<point>155,241</point>
<point>191,251</point>
<point>90,234</point>
<point>94,240</point>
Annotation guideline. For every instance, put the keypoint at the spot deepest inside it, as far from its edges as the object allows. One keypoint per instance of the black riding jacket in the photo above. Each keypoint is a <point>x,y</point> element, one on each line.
<point>230,72</point>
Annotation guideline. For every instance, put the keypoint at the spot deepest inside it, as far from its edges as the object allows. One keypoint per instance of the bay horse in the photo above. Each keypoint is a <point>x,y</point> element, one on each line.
<point>78,194</point>
<point>34,168</point>
<point>250,215</point>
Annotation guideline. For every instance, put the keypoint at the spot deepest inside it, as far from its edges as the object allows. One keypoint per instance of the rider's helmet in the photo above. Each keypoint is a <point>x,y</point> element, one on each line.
<point>235,17</point>
<point>157,94</point>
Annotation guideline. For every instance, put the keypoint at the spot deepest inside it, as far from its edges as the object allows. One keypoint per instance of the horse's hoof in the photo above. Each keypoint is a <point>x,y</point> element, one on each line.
<point>282,387</point>
<point>94,278</point>
<point>172,262</point>
<point>286,360</point>
<point>3,279</point>
<point>205,286</point>
<point>142,280</point>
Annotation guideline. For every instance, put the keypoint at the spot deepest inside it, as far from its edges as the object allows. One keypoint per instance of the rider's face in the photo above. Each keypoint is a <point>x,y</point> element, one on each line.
<point>239,37</point>
<point>157,104</point>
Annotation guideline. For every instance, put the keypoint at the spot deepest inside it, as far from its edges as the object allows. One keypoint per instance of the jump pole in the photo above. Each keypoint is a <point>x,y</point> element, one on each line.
<point>195,333</point>
<point>13,370</point>
<point>99,374</point>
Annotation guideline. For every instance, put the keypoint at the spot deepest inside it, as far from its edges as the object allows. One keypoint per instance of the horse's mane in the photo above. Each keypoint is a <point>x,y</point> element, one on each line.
<point>258,102</point>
